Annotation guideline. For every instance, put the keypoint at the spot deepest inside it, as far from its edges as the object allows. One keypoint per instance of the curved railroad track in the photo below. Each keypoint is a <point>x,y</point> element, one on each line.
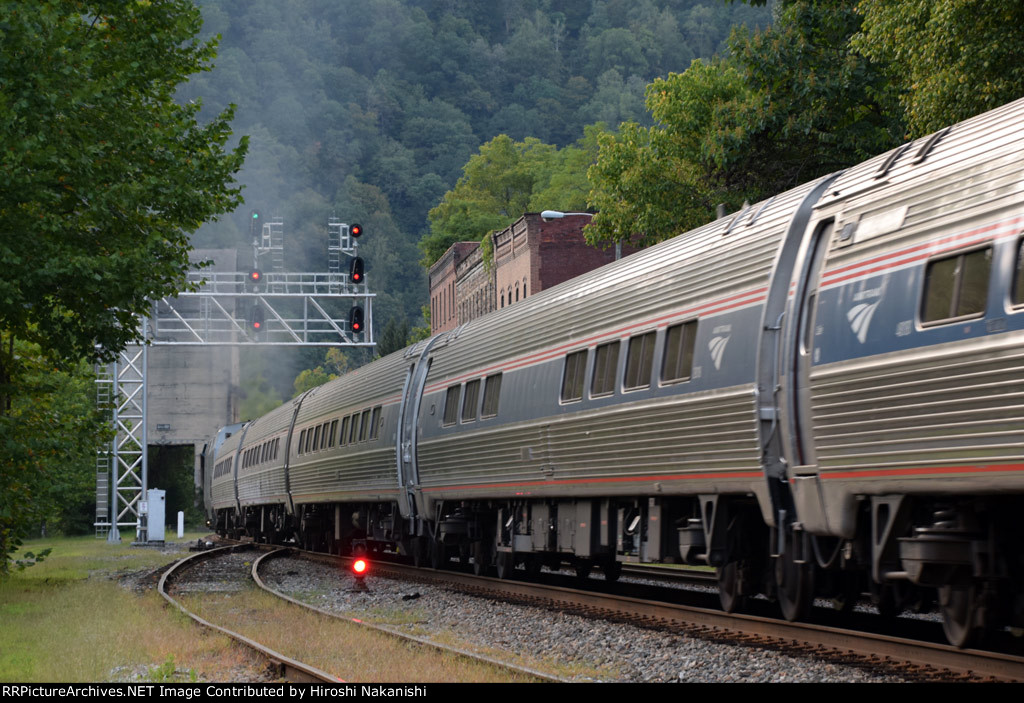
<point>284,667</point>
<point>281,665</point>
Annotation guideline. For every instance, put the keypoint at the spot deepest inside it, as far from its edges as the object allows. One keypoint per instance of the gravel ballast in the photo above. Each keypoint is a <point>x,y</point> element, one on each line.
<point>567,645</point>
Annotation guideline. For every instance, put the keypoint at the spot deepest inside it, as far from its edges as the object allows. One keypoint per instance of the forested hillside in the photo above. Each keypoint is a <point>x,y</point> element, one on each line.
<point>369,109</point>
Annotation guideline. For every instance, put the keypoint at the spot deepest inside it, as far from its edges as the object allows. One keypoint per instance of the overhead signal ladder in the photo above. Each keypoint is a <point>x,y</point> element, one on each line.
<point>268,254</point>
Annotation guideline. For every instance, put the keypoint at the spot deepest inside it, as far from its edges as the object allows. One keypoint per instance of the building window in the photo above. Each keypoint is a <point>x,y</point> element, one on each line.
<point>572,378</point>
<point>956,286</point>
<point>606,360</point>
<point>679,342</point>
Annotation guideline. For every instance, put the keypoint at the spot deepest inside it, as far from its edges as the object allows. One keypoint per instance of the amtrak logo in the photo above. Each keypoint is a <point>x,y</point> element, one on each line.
<point>717,348</point>
<point>860,318</point>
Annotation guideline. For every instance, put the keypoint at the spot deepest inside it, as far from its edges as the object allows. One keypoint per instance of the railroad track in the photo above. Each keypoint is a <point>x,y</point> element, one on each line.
<point>917,659</point>
<point>922,660</point>
<point>289,668</point>
<point>284,551</point>
<point>284,667</point>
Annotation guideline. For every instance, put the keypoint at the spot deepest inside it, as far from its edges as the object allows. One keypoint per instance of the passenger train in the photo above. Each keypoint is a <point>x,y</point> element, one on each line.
<point>819,395</point>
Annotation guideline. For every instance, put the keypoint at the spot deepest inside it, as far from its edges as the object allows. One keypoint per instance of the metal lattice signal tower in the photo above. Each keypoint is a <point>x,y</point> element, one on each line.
<point>122,386</point>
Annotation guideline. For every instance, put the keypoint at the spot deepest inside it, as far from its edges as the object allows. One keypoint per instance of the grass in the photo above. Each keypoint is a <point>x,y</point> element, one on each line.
<point>69,619</point>
<point>350,652</point>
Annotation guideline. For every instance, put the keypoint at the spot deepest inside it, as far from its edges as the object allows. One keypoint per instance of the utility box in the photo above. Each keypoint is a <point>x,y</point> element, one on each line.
<point>156,500</point>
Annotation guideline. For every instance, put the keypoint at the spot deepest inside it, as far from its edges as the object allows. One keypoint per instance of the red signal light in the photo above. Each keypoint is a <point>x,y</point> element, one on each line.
<point>360,567</point>
<point>255,276</point>
<point>355,230</point>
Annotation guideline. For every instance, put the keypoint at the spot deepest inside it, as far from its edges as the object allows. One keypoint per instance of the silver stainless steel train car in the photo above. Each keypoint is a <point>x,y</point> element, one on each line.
<point>820,394</point>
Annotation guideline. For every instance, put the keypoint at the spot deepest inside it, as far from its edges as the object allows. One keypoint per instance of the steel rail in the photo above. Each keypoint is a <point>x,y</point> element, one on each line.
<point>315,556</point>
<point>923,658</point>
<point>287,668</point>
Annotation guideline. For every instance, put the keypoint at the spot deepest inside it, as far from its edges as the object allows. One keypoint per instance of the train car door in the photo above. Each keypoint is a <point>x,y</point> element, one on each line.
<point>408,422</point>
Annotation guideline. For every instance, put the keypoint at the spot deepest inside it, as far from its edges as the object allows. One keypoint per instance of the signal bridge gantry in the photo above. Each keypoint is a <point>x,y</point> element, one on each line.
<point>236,308</point>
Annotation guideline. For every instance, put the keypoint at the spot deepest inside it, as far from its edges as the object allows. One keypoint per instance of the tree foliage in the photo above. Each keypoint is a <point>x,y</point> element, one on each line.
<point>48,441</point>
<point>103,174</point>
<point>102,178</point>
<point>504,180</point>
<point>790,103</point>
<point>948,60</point>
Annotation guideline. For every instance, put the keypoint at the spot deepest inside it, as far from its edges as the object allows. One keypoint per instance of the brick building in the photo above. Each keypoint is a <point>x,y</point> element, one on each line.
<point>530,255</point>
<point>442,287</point>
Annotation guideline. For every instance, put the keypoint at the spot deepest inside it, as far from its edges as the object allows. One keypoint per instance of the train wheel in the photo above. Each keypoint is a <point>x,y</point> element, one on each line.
<point>438,555</point>
<point>729,588</point>
<point>418,549</point>
<point>794,585</point>
<point>505,564</point>
<point>481,557</point>
<point>611,569</point>
<point>960,609</point>
<point>583,568</point>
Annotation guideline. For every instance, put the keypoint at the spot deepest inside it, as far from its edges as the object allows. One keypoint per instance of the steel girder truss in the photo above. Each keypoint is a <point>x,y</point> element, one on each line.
<point>123,384</point>
<point>298,309</point>
<point>304,309</point>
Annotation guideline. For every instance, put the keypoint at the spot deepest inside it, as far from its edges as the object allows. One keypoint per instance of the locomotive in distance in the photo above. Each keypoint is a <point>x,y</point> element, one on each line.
<point>819,395</point>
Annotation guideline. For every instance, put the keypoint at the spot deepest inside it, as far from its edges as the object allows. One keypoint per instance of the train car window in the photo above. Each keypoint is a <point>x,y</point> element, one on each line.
<point>572,377</point>
<point>469,400</point>
<point>375,423</point>
<point>639,360</point>
<point>606,360</point>
<point>323,434</point>
<point>316,439</point>
<point>302,442</point>
<point>451,405</point>
<point>353,431</point>
<point>334,433</point>
<point>1018,280</point>
<point>365,429</point>
<point>956,286</point>
<point>343,437</point>
<point>492,389</point>
<point>679,343</point>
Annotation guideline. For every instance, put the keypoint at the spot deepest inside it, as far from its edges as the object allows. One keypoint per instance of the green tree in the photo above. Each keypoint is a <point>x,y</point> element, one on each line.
<point>394,337</point>
<point>504,180</point>
<point>789,104</point>
<point>48,441</point>
<point>948,59</point>
<point>103,176</point>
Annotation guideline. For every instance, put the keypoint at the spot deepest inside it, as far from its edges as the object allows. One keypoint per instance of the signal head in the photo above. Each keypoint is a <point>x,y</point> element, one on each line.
<point>355,319</point>
<point>355,230</point>
<point>256,319</point>
<point>255,276</point>
<point>356,270</point>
